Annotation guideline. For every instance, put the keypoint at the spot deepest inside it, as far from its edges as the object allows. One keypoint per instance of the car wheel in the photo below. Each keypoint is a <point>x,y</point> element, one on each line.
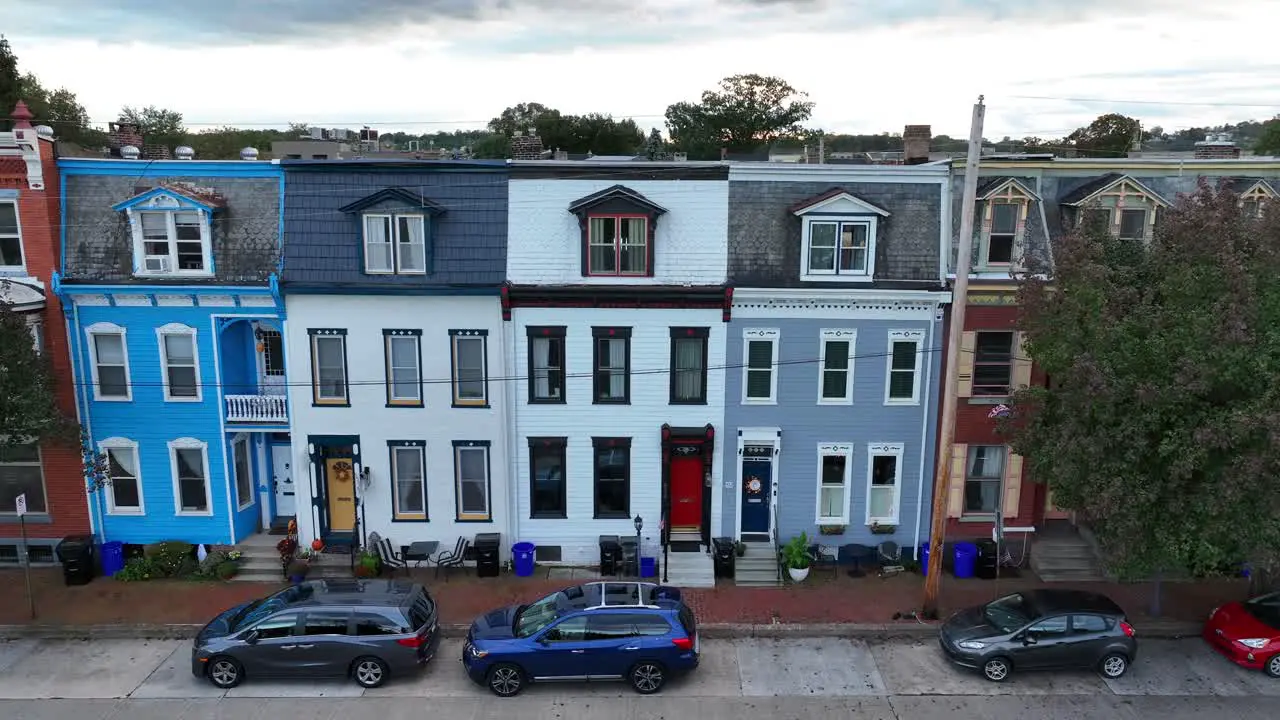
<point>369,672</point>
<point>997,669</point>
<point>505,680</point>
<point>647,677</point>
<point>225,672</point>
<point>1113,665</point>
<point>1272,667</point>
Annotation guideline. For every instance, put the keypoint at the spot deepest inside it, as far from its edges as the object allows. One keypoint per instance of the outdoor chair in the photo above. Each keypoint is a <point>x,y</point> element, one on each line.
<point>822,557</point>
<point>391,559</point>
<point>890,559</point>
<point>451,558</point>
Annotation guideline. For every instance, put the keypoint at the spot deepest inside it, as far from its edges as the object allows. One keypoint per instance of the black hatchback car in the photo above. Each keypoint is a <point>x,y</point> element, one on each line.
<point>1041,630</point>
<point>367,630</point>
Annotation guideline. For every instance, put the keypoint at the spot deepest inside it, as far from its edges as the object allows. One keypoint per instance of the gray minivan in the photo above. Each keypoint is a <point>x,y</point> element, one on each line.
<point>367,630</point>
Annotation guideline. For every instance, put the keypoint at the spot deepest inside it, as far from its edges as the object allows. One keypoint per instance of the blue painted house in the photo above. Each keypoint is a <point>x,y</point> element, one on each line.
<point>168,284</point>
<point>831,395</point>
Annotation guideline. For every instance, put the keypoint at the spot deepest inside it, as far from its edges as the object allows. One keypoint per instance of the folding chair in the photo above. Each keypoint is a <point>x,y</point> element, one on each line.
<point>390,558</point>
<point>451,558</point>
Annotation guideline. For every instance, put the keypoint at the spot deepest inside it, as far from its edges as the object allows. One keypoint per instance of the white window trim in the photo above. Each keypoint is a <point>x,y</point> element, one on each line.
<point>844,450</point>
<point>179,329</point>
<point>394,237</point>
<point>393,399</point>
<point>773,335</point>
<point>190,444</point>
<point>806,273</point>
<point>120,443</point>
<point>242,440</point>
<point>106,328</point>
<point>1020,206</point>
<point>895,336</point>
<point>139,245</point>
<point>456,384</point>
<point>487,516</point>
<point>1000,480</point>
<point>837,334</point>
<point>316,398</point>
<point>396,512</point>
<point>22,248</point>
<point>895,450</point>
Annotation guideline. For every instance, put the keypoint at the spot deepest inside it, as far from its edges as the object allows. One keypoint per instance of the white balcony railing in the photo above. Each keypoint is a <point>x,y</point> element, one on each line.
<point>257,409</point>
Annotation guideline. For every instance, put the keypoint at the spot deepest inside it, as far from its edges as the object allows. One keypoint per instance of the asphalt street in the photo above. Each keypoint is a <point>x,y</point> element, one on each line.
<point>739,680</point>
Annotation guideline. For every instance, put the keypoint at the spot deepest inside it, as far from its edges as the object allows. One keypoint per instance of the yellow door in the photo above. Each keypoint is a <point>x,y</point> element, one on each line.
<point>340,487</point>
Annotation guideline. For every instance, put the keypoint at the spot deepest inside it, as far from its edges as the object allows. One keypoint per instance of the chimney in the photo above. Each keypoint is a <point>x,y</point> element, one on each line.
<point>915,144</point>
<point>123,133</point>
<point>822,149</point>
<point>526,146</point>
<point>1216,147</point>
<point>562,155</point>
<point>21,116</point>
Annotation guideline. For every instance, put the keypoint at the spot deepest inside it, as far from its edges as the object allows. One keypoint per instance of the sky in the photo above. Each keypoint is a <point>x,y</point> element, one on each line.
<point>1045,67</point>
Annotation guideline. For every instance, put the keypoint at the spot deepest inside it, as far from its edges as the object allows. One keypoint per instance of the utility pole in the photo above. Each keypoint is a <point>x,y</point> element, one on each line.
<point>959,300</point>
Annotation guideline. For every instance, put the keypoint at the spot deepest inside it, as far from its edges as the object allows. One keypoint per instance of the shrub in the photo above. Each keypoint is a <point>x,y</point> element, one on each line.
<point>139,568</point>
<point>227,570</point>
<point>169,557</point>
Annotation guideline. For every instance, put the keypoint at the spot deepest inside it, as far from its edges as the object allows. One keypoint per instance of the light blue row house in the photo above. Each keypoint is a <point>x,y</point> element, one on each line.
<point>831,396</point>
<point>169,286</point>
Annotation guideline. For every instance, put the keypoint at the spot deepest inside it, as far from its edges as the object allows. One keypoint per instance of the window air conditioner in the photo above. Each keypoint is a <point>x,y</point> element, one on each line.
<point>156,263</point>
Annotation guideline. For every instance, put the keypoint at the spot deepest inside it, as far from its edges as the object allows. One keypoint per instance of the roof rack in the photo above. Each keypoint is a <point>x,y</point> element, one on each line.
<point>636,594</point>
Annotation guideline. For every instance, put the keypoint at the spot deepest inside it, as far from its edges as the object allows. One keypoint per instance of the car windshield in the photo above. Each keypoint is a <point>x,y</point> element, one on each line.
<point>259,609</point>
<point>1266,609</point>
<point>533,618</point>
<point>1009,612</point>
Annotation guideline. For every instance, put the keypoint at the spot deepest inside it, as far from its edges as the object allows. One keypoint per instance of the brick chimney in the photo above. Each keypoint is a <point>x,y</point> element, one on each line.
<point>915,144</point>
<point>122,133</point>
<point>1217,146</point>
<point>526,146</point>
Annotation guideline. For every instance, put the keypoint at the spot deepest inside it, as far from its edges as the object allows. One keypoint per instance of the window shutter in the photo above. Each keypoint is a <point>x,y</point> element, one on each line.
<point>955,488</point>
<point>1012,485</point>
<point>1021,374</point>
<point>968,346</point>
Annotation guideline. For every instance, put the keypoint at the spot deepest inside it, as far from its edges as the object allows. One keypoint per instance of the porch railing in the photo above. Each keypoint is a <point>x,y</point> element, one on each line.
<point>257,408</point>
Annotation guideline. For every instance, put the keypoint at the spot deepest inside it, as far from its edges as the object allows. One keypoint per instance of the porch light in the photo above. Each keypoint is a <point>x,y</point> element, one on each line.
<point>639,523</point>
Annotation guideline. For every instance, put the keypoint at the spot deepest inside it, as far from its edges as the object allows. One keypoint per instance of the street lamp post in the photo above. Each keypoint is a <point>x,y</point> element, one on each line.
<point>639,523</point>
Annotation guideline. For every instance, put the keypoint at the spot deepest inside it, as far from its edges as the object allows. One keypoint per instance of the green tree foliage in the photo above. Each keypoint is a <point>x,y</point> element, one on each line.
<point>159,126</point>
<point>1159,427</point>
<point>58,109</point>
<point>10,81</point>
<point>1269,140</point>
<point>743,114</point>
<point>28,407</point>
<point>590,133</point>
<point>1109,135</point>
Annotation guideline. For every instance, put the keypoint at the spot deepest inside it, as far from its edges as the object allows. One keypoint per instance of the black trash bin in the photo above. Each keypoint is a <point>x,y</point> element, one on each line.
<point>487,547</point>
<point>630,565</point>
<point>724,556</point>
<point>610,555</point>
<point>988,557</point>
<point>76,554</point>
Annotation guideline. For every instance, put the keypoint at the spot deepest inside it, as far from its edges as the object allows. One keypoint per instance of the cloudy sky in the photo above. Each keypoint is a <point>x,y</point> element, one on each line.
<point>1045,66</point>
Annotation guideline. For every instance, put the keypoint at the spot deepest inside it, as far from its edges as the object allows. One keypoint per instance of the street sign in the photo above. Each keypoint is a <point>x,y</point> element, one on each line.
<point>22,504</point>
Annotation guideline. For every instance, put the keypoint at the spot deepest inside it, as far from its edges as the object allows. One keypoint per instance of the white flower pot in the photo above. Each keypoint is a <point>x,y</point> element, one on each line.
<point>798,574</point>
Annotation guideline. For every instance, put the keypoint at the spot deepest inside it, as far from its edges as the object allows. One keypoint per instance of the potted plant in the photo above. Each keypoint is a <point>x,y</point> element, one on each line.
<point>878,529</point>
<point>369,565</point>
<point>831,529</point>
<point>796,555</point>
<point>297,571</point>
<point>739,548</point>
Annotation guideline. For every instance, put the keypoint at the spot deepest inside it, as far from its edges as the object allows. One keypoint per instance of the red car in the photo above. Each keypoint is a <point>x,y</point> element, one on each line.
<point>1248,633</point>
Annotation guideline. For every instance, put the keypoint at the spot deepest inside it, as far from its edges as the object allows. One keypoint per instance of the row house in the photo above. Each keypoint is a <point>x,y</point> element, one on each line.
<point>1023,205</point>
<point>830,396</point>
<point>49,476</point>
<point>176,322</point>
<point>616,314</point>
<point>392,272</point>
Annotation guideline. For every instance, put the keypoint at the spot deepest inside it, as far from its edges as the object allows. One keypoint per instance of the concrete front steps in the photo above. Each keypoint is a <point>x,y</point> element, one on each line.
<point>259,561</point>
<point>690,569</point>
<point>1065,559</point>
<point>758,567</point>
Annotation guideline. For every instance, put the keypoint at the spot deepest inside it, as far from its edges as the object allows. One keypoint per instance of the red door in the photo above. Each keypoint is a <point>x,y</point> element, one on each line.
<point>686,493</point>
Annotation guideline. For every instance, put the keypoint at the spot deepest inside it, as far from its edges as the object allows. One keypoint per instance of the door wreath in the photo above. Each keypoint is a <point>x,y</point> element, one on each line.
<point>342,471</point>
<point>754,486</point>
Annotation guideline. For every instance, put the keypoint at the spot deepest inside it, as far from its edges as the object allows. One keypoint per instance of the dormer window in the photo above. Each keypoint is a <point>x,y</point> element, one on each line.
<point>838,235</point>
<point>1255,194</point>
<point>395,231</point>
<point>1006,203</point>
<point>1118,203</point>
<point>618,228</point>
<point>172,234</point>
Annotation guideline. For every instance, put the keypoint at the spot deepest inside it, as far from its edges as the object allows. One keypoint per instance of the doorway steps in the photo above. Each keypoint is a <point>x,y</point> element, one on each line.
<point>259,561</point>
<point>1065,558</point>
<point>757,568</point>
<point>690,569</point>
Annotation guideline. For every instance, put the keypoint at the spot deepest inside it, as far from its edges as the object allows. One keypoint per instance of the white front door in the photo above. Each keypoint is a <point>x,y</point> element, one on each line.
<point>282,481</point>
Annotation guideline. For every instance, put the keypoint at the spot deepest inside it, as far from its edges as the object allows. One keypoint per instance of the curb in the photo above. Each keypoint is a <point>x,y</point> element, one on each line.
<point>718,631</point>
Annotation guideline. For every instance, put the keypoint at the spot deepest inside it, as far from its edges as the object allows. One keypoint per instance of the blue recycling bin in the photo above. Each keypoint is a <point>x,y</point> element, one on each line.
<point>522,558</point>
<point>112,558</point>
<point>649,567</point>
<point>924,558</point>
<point>966,559</point>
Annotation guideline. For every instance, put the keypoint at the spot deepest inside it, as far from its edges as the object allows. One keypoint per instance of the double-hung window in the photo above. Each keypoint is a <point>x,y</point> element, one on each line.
<point>839,248</point>
<point>835,467</point>
<point>469,354</point>
<point>11,256</point>
<point>403,357</point>
<point>395,244</point>
<point>884,482</point>
<point>471,476</point>
<point>110,362</point>
<point>546,364</point>
<point>173,242</point>
<point>983,479</point>
<point>548,497</point>
<point>689,365</point>
<point>180,363</point>
<point>124,497</point>
<point>835,376</point>
<point>612,467</point>
<point>903,368</point>
<point>992,362</point>
<point>189,460</point>
<point>759,366</point>
<point>618,245</point>
<point>21,473</point>
<point>408,479</point>
<point>329,366</point>
<point>1004,232</point>
<point>612,365</point>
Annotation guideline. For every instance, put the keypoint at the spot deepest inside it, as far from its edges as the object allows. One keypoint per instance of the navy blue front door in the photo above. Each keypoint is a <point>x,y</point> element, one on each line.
<point>757,487</point>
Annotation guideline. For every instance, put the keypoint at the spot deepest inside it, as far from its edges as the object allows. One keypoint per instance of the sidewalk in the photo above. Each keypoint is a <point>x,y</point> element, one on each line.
<point>824,598</point>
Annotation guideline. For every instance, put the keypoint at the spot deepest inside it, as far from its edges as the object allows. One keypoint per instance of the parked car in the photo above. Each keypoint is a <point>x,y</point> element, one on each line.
<point>367,630</point>
<point>1040,630</point>
<point>638,632</point>
<point>1248,633</point>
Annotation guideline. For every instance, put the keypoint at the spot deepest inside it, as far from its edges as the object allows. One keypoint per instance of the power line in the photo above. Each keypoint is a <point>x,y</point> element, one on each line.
<point>1119,101</point>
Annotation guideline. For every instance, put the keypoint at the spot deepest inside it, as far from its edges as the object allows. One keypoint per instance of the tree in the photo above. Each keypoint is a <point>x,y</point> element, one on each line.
<point>593,132</point>
<point>1159,427</point>
<point>28,408</point>
<point>10,81</point>
<point>1109,135</point>
<point>1269,141</point>
<point>158,126</point>
<point>747,111</point>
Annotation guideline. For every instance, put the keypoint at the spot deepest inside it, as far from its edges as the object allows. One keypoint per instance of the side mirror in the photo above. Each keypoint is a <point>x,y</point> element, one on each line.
<point>1029,639</point>
<point>252,637</point>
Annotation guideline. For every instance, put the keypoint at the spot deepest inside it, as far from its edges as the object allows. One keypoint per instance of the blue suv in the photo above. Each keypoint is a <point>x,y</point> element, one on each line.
<point>638,632</point>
